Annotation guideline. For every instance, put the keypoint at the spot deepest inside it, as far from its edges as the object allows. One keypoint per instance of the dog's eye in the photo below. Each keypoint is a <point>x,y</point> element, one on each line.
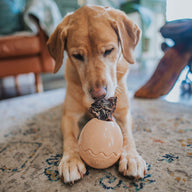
<point>107,52</point>
<point>79,57</point>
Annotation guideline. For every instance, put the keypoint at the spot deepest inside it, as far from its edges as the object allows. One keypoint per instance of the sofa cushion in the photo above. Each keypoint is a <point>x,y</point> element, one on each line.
<point>12,46</point>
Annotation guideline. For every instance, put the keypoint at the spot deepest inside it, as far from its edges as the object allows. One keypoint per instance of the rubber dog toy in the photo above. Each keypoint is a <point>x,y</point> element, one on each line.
<point>101,141</point>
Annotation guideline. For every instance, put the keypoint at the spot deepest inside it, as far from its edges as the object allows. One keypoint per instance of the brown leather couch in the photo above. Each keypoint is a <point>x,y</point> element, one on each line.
<point>25,54</point>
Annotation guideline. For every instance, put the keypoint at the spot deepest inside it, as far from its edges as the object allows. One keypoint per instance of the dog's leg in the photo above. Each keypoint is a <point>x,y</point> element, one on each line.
<point>71,167</point>
<point>131,163</point>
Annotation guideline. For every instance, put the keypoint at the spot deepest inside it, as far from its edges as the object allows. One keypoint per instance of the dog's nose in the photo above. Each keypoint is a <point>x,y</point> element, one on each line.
<point>98,92</point>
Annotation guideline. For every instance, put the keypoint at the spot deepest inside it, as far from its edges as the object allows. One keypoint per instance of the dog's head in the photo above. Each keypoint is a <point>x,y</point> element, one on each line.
<point>94,38</point>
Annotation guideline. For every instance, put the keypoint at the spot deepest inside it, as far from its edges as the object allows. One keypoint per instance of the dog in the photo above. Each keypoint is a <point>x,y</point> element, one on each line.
<point>100,43</point>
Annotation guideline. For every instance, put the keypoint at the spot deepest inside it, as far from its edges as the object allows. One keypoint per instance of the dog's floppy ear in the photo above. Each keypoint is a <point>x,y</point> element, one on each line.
<point>56,43</point>
<point>128,33</point>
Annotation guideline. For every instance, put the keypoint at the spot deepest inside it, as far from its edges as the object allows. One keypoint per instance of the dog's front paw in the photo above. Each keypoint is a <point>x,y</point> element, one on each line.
<point>132,164</point>
<point>71,168</point>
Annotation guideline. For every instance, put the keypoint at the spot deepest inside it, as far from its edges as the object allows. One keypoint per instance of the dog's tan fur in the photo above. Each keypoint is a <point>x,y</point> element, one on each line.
<point>89,32</point>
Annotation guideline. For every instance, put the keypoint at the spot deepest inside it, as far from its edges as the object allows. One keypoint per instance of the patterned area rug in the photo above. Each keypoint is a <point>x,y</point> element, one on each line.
<point>31,147</point>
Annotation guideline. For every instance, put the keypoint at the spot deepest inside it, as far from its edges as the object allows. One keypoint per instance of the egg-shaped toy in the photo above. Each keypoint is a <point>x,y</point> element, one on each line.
<point>100,143</point>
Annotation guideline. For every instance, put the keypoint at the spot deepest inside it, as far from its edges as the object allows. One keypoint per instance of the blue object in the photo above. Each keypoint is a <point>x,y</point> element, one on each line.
<point>11,16</point>
<point>178,30</point>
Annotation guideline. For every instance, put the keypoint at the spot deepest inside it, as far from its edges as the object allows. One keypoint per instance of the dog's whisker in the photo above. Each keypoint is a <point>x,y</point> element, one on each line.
<point>118,92</point>
<point>120,72</point>
<point>119,89</point>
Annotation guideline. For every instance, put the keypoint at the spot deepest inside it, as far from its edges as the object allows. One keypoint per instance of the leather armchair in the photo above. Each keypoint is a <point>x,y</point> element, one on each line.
<point>25,54</point>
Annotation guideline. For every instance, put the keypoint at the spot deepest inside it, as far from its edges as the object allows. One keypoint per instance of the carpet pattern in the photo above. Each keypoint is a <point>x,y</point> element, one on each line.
<point>31,147</point>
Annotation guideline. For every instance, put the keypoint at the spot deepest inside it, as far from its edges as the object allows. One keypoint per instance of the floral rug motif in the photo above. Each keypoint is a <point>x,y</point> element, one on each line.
<point>31,147</point>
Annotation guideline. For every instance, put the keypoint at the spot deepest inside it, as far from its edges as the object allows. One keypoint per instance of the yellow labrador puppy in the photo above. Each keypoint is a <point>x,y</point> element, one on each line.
<point>100,44</point>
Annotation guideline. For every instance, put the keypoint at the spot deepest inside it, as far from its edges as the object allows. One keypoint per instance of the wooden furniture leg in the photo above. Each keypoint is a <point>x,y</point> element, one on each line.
<point>18,91</point>
<point>166,73</point>
<point>38,83</point>
<point>2,91</point>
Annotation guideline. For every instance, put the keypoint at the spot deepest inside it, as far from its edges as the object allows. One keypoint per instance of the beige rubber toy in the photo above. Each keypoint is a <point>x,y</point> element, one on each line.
<point>101,140</point>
